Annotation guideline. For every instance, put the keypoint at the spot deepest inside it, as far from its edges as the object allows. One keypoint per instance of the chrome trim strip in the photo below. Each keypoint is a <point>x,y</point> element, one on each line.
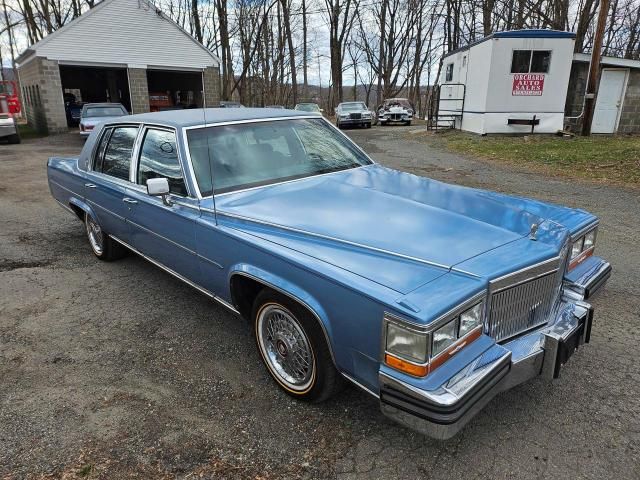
<point>358,384</point>
<point>524,275</point>
<point>119,217</point>
<point>178,276</point>
<point>327,237</point>
<point>65,188</point>
<point>297,299</point>
<point>206,259</point>
<point>192,252</point>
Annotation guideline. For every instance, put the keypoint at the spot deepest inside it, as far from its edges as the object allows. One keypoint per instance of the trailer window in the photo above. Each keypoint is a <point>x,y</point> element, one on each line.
<point>530,61</point>
<point>449,73</point>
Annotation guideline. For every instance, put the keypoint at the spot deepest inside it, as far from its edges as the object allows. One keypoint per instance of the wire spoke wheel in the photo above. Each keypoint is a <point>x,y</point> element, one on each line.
<point>94,233</point>
<point>286,348</point>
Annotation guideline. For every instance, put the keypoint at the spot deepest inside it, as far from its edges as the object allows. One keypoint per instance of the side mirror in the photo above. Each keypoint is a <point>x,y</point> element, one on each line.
<point>159,187</point>
<point>322,110</point>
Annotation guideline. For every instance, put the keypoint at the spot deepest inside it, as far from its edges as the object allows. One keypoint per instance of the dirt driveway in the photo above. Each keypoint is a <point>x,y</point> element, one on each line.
<point>117,370</point>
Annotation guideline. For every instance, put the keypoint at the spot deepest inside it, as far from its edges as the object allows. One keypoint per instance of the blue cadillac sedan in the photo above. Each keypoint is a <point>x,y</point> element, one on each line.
<point>431,297</point>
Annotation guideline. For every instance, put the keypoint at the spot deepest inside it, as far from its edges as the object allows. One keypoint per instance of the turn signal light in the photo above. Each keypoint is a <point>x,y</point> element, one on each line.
<point>406,367</point>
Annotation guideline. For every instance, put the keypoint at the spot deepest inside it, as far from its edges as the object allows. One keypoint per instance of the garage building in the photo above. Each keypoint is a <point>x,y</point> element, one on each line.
<point>124,51</point>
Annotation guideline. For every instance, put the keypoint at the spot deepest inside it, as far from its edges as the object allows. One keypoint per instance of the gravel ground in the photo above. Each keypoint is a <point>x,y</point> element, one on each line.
<point>117,370</point>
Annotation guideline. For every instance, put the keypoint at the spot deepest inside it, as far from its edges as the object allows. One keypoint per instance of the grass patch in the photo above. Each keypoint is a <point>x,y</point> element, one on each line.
<point>613,159</point>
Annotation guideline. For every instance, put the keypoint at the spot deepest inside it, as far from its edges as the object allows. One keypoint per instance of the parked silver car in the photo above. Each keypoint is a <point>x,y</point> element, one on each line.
<point>353,113</point>
<point>9,128</point>
<point>95,113</point>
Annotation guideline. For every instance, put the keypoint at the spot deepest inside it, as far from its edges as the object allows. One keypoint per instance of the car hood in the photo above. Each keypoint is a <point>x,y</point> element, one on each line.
<point>375,221</point>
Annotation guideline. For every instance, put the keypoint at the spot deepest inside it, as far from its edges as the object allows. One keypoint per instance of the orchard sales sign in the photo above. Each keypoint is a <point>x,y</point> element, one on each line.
<point>527,84</point>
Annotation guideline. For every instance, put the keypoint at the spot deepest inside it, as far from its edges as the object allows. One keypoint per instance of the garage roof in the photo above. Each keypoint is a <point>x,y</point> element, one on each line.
<point>133,33</point>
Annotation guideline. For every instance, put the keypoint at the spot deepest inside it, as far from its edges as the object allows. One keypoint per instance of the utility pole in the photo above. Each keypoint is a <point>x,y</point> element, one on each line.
<point>594,72</point>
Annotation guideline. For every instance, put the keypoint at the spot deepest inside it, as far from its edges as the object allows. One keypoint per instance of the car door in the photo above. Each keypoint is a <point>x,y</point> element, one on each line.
<point>108,178</point>
<point>164,231</point>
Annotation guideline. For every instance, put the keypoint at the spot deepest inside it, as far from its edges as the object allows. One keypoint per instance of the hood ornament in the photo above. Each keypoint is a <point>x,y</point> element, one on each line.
<point>533,231</point>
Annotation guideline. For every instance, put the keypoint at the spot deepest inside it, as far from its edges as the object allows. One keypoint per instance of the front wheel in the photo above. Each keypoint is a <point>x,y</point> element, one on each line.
<point>103,246</point>
<point>293,347</point>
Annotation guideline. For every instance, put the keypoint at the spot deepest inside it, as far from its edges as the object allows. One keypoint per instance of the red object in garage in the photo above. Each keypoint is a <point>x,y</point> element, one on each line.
<point>9,92</point>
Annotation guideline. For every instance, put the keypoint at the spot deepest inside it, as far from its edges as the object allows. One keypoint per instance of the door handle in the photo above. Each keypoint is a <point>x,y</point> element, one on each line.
<point>90,185</point>
<point>129,200</point>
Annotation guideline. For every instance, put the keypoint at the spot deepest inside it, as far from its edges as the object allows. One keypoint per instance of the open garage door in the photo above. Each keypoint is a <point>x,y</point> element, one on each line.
<point>92,85</point>
<point>171,90</point>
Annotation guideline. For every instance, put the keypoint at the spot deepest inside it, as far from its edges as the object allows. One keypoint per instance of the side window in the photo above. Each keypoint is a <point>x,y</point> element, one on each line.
<point>117,156</point>
<point>159,159</point>
<point>449,73</point>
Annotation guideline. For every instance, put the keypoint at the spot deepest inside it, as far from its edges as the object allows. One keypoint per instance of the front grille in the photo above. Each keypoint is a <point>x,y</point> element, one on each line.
<point>396,116</point>
<point>528,302</point>
<point>355,116</point>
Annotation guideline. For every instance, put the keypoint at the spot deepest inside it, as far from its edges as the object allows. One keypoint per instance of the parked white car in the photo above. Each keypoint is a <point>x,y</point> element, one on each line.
<point>96,113</point>
<point>309,107</point>
<point>394,110</point>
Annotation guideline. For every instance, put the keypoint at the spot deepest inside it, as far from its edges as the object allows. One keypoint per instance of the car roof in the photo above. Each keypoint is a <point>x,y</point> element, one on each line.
<point>200,116</point>
<point>105,104</point>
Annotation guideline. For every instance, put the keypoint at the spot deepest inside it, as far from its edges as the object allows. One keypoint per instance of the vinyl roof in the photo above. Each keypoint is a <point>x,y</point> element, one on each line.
<point>200,116</point>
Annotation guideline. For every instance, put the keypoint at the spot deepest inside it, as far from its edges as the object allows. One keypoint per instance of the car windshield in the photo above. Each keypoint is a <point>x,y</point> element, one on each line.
<point>254,154</point>
<point>352,107</point>
<point>308,107</point>
<point>103,112</point>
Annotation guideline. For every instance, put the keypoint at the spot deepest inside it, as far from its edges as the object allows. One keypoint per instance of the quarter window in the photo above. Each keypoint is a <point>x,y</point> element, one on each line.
<point>117,156</point>
<point>97,163</point>
<point>159,159</point>
<point>530,61</point>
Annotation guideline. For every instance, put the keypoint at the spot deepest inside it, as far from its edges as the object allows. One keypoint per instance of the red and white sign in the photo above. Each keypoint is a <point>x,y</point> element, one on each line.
<point>527,84</point>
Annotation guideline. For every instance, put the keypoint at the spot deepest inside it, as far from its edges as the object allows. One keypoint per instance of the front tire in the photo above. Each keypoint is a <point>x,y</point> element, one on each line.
<point>102,245</point>
<point>293,347</point>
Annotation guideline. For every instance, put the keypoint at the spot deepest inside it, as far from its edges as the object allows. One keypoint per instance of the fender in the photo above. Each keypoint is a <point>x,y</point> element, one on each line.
<point>82,205</point>
<point>290,290</point>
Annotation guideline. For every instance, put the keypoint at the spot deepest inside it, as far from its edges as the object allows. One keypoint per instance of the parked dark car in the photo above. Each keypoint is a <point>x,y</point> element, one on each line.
<point>72,109</point>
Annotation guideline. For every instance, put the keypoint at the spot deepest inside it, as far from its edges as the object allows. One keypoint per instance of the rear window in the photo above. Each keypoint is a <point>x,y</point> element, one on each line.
<point>104,112</point>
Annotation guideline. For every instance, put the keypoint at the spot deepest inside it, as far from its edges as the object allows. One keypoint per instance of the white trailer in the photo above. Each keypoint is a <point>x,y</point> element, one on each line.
<point>508,82</point>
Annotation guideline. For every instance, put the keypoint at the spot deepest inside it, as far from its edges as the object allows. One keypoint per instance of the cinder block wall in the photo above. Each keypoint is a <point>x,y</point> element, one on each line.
<point>139,89</point>
<point>211,86</point>
<point>630,115</point>
<point>42,95</point>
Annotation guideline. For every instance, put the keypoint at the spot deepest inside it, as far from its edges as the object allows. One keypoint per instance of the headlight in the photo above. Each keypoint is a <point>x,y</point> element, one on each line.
<point>589,240</point>
<point>444,337</point>
<point>418,350</point>
<point>582,248</point>
<point>470,319</point>
<point>406,343</point>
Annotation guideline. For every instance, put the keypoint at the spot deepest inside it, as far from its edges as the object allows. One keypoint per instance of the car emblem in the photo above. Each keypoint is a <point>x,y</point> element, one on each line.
<point>533,231</point>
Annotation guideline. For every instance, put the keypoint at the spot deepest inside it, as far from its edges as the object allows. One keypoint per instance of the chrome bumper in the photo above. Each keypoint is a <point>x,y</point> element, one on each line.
<point>444,411</point>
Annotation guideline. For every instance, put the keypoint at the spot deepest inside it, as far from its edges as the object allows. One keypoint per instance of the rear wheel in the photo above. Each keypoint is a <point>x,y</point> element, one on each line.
<point>103,246</point>
<point>293,347</point>
<point>15,138</point>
